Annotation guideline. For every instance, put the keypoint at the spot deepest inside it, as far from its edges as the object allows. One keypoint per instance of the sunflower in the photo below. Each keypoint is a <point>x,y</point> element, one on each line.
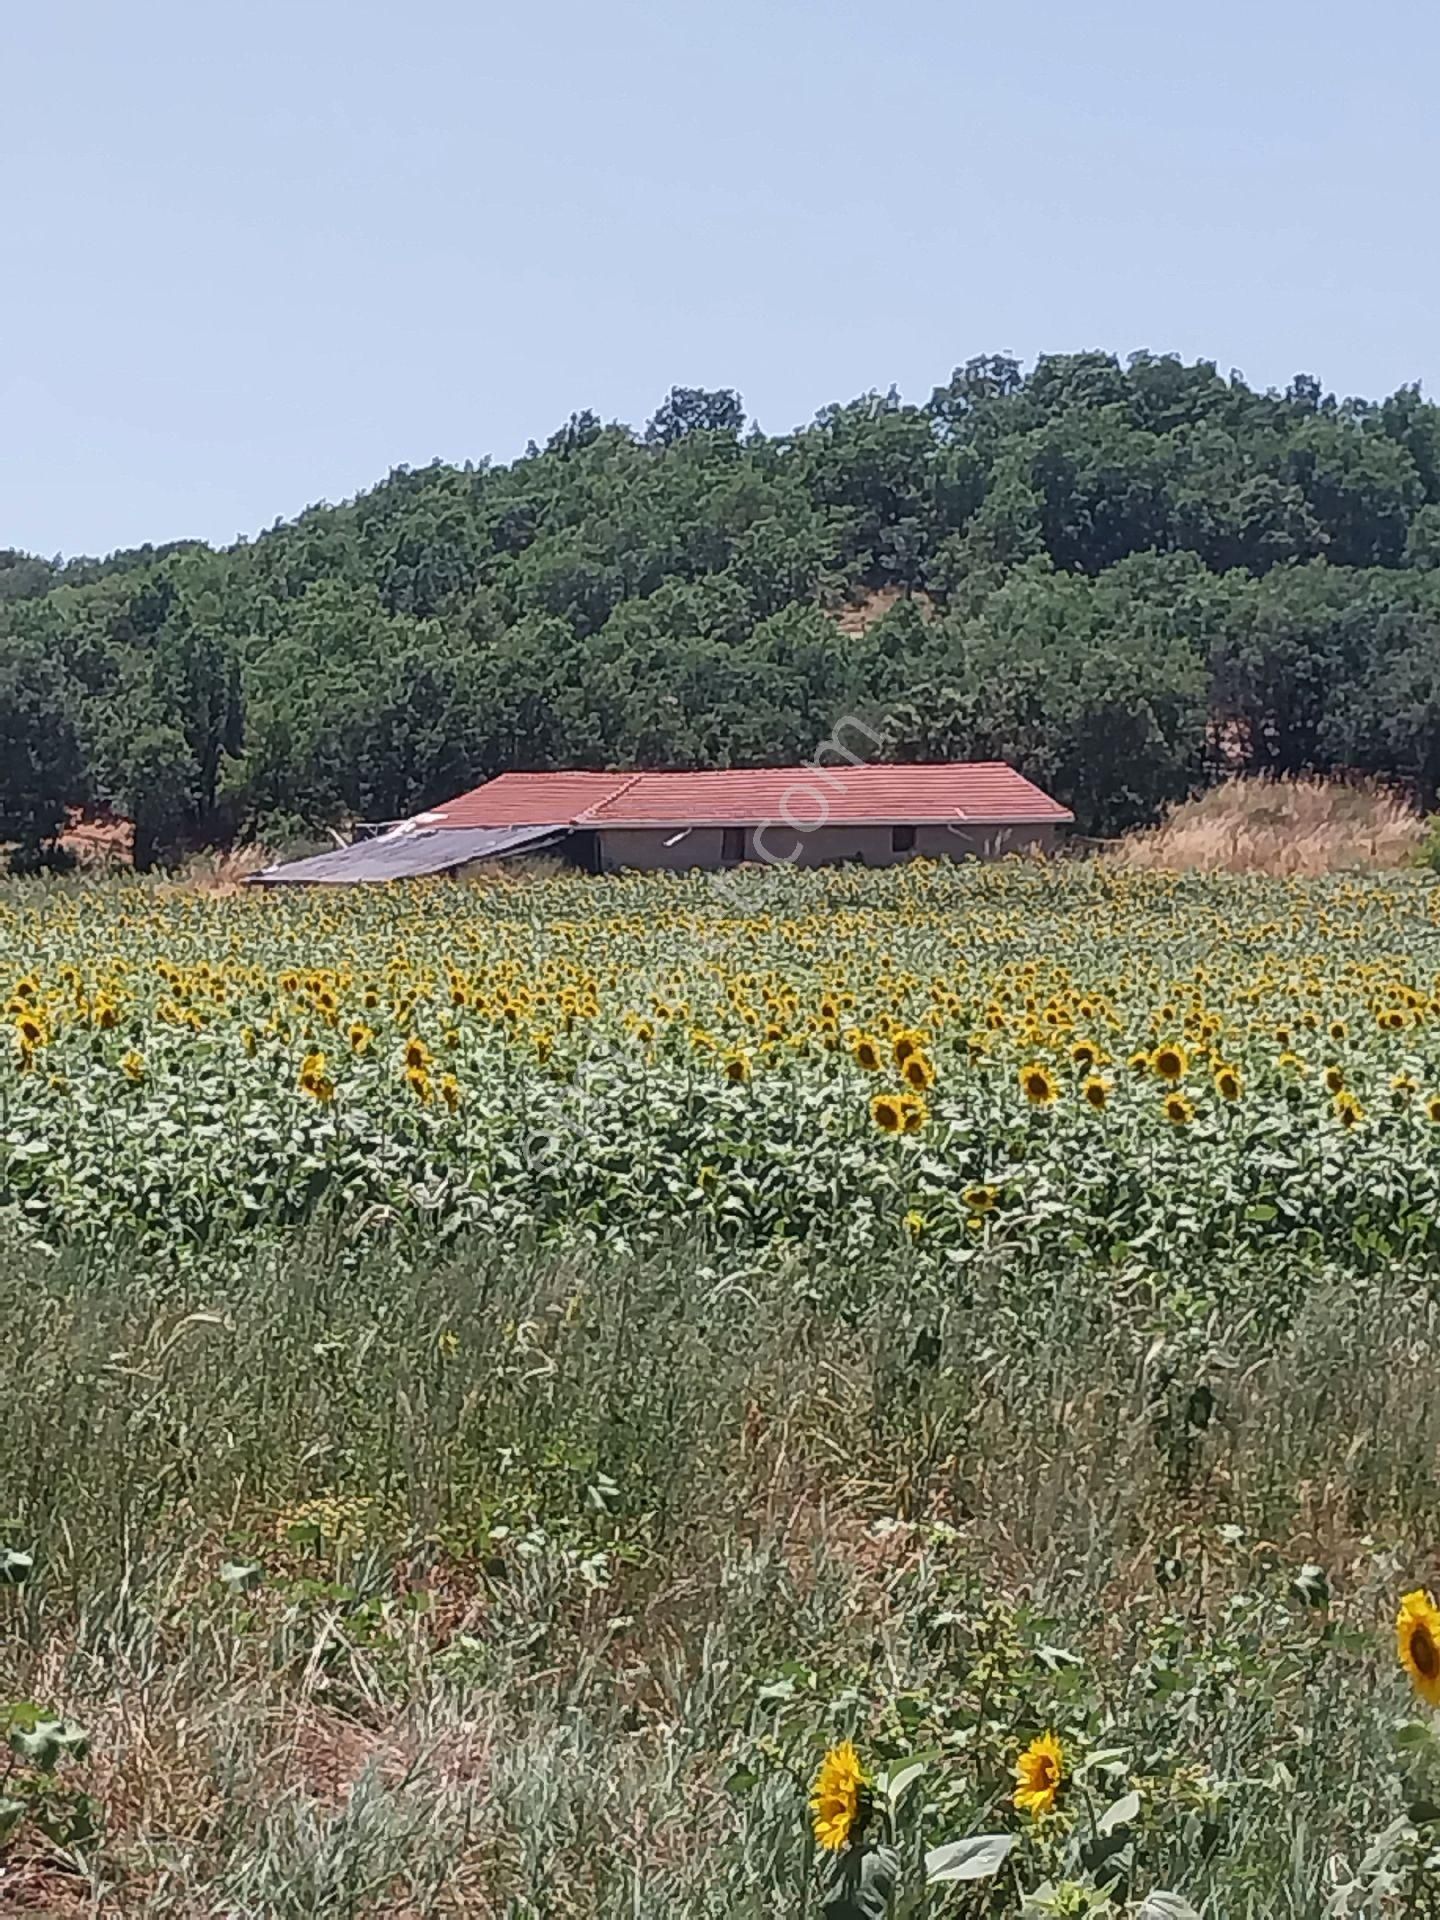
<point>1084,1053</point>
<point>31,1029</point>
<point>737,1067</point>
<point>1171,1061</point>
<point>417,1056</point>
<point>450,1092</point>
<point>1096,1091</point>
<point>1337,1031</point>
<point>980,1199</point>
<point>1228,1083</point>
<point>314,1080</point>
<point>1178,1110</point>
<point>913,1112</point>
<point>866,1052</point>
<point>918,1072</point>
<point>905,1043</point>
<point>419,1083</point>
<point>133,1066</point>
<point>1348,1110</point>
<point>887,1113</point>
<point>1038,1773</point>
<point>360,1037</point>
<point>1038,1085</point>
<point>1334,1077</point>
<point>1417,1635</point>
<point>840,1798</point>
<point>1432,1109</point>
<point>1139,1061</point>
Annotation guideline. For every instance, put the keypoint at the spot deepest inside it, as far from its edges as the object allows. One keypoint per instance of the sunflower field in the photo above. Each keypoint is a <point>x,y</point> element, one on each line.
<point>840,1394</point>
<point>992,1062</point>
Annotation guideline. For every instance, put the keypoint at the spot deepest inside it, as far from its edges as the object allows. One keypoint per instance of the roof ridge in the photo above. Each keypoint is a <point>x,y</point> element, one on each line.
<point>596,807</point>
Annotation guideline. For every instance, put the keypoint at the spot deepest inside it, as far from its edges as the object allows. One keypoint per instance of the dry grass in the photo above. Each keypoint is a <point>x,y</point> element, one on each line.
<point>226,871</point>
<point>1280,827</point>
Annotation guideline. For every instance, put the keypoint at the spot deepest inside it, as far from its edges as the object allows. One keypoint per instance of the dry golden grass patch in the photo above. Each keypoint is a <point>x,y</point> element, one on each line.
<point>1281,827</point>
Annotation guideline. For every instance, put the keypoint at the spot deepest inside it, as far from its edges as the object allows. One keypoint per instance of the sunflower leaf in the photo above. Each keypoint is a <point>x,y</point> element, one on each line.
<point>977,1858</point>
<point>859,1883</point>
<point>1166,1906</point>
<point>1120,1814</point>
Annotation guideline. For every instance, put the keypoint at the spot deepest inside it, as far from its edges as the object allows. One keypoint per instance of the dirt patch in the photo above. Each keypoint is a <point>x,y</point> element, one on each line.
<point>873,606</point>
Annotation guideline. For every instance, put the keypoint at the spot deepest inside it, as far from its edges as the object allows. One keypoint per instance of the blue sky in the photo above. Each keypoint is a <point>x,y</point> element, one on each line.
<point>259,255</point>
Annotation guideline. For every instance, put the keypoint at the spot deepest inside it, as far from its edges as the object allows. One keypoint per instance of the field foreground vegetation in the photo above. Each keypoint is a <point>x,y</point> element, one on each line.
<point>501,1381</point>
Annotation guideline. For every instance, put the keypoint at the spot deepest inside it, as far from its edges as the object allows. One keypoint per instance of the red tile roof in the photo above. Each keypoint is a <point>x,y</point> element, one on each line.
<point>987,793</point>
<point>528,800</point>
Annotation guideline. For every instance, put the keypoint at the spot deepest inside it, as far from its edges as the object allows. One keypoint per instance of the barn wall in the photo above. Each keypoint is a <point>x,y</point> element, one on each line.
<point>645,847</point>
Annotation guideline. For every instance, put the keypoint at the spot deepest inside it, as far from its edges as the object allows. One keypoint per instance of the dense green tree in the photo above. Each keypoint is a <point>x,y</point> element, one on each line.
<point>1123,576</point>
<point>42,771</point>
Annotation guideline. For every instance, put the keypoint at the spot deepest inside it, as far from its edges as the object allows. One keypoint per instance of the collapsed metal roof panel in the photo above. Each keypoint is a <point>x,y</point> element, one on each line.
<point>407,853</point>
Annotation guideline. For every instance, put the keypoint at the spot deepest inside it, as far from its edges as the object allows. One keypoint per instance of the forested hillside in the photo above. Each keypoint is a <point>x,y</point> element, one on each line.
<point>1120,577</point>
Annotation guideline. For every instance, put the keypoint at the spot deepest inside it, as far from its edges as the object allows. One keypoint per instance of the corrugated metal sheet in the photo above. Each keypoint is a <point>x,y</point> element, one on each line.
<point>407,854</point>
<point>984,793</point>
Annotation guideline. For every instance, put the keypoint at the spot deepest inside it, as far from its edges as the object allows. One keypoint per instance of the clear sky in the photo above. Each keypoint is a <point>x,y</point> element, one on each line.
<point>257,255</point>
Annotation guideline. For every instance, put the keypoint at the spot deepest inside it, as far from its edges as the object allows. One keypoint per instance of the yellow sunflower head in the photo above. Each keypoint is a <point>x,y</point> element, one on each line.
<point>840,1799</point>
<point>1228,1083</point>
<point>314,1080</point>
<point>1432,1109</point>
<point>887,1113</point>
<point>737,1067</point>
<point>417,1056</point>
<point>1170,1061</point>
<point>1038,1084</point>
<point>980,1199</point>
<point>918,1072</point>
<point>1178,1110</point>
<point>1348,1110</point>
<point>1334,1077</point>
<point>1139,1061</point>
<point>867,1052</point>
<point>1038,1773</point>
<point>1096,1091</point>
<point>1084,1053</point>
<point>913,1112</point>
<point>1417,1634</point>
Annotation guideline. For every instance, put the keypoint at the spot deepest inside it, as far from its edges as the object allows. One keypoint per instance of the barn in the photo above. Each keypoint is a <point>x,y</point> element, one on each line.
<point>779,816</point>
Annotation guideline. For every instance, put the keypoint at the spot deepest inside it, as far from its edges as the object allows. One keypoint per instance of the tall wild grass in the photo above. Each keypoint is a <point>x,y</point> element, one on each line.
<point>492,1582</point>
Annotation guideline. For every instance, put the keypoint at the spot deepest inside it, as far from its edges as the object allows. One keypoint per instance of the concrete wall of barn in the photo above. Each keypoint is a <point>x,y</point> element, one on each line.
<point>650,848</point>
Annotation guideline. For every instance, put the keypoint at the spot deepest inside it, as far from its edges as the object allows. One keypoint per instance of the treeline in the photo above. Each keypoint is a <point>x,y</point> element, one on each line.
<point>1123,578</point>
